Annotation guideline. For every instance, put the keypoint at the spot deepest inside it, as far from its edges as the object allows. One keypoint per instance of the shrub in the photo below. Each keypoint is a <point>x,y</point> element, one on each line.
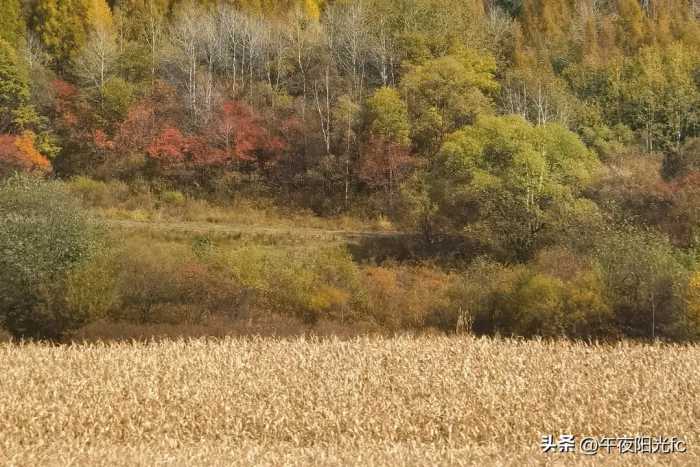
<point>19,153</point>
<point>45,239</point>
<point>174,198</point>
<point>95,193</point>
<point>166,283</point>
<point>537,306</point>
<point>90,288</point>
<point>481,297</point>
<point>588,312</point>
<point>306,283</point>
<point>645,279</point>
<point>692,322</point>
<point>403,297</point>
<point>586,308</point>
<point>543,298</point>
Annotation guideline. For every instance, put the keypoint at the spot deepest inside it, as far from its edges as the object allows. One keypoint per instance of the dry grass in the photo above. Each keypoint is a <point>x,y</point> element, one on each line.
<point>242,214</point>
<point>403,401</point>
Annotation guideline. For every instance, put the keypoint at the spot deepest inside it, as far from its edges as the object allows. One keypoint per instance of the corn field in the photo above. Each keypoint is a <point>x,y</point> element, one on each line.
<point>368,401</point>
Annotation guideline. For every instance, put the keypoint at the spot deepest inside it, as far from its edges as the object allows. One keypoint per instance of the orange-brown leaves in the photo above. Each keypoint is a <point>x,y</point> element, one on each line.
<point>17,153</point>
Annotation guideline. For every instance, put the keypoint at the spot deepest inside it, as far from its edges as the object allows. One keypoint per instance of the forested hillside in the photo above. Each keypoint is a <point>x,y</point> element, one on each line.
<point>559,139</point>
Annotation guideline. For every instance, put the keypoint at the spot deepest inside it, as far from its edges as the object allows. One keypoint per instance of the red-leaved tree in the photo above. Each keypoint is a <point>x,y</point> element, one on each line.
<point>240,133</point>
<point>385,164</point>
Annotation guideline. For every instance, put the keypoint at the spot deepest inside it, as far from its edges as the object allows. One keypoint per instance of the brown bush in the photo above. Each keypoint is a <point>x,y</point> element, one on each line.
<point>166,283</point>
<point>404,297</point>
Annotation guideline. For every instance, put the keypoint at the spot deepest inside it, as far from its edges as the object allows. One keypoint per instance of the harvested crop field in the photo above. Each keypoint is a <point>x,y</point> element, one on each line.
<point>369,401</point>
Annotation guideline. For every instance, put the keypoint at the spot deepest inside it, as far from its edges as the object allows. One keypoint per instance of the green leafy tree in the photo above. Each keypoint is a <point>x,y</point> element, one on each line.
<point>12,26</point>
<point>387,115</point>
<point>14,91</point>
<point>509,183</point>
<point>64,26</point>
<point>118,95</point>
<point>446,93</point>
<point>45,238</point>
<point>660,96</point>
<point>386,156</point>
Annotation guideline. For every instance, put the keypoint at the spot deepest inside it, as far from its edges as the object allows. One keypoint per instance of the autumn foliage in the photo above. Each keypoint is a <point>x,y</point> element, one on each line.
<point>385,163</point>
<point>236,134</point>
<point>239,131</point>
<point>171,148</point>
<point>17,153</point>
<point>502,128</point>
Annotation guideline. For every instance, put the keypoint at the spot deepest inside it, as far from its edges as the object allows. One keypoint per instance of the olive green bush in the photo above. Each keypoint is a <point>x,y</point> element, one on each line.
<point>168,283</point>
<point>308,283</point>
<point>543,298</point>
<point>96,193</point>
<point>405,297</point>
<point>646,279</point>
<point>46,240</point>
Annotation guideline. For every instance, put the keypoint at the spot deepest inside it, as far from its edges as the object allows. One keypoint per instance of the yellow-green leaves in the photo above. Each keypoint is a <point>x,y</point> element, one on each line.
<point>388,116</point>
<point>510,180</point>
<point>447,92</point>
<point>65,25</point>
<point>12,27</point>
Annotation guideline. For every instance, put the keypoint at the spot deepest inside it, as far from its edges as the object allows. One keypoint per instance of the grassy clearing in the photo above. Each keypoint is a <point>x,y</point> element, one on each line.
<point>402,401</point>
<point>117,201</point>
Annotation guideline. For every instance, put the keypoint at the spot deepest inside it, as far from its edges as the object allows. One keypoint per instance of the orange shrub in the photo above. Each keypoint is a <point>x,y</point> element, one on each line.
<point>17,153</point>
<point>404,297</point>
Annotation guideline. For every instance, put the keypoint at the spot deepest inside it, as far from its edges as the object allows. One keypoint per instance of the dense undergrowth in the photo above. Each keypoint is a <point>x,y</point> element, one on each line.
<point>139,283</point>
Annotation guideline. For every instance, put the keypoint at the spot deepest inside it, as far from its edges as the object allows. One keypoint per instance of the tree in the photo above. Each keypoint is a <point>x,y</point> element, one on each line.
<point>539,95</point>
<point>14,88</point>
<point>348,25</point>
<point>385,164</point>
<point>96,60</point>
<point>346,120</point>
<point>117,96</point>
<point>446,93</point>
<point>631,24</point>
<point>123,148</point>
<point>44,237</point>
<point>64,26</point>
<point>169,147</point>
<point>12,26</point>
<point>74,119</point>
<point>239,131</point>
<point>387,115</point>
<point>187,37</point>
<point>386,155</point>
<point>509,183</point>
<point>141,28</point>
<point>660,96</point>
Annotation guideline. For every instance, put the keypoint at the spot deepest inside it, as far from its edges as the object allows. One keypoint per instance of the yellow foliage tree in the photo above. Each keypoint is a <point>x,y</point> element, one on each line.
<point>64,25</point>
